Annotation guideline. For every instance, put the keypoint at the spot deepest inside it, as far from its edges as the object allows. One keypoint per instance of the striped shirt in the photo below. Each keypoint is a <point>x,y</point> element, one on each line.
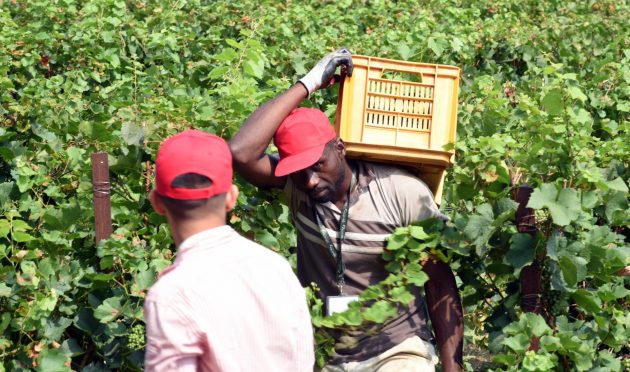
<point>383,199</point>
<point>227,304</point>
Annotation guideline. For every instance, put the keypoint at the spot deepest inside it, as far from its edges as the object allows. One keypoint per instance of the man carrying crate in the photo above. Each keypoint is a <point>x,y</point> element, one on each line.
<point>358,204</point>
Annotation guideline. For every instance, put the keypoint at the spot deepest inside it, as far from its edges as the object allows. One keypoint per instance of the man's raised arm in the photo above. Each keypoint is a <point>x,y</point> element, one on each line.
<point>249,143</point>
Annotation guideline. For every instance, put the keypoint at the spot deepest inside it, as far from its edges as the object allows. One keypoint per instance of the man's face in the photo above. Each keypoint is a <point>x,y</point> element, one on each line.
<point>323,180</point>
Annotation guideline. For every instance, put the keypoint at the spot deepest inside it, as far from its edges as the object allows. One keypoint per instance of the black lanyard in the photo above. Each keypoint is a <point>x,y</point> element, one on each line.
<point>334,252</point>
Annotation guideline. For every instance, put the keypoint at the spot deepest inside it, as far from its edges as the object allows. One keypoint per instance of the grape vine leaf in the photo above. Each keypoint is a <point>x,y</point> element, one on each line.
<point>479,227</point>
<point>404,51</point>
<point>552,102</point>
<point>587,300</point>
<point>145,278</point>
<point>521,253</point>
<point>379,312</point>
<point>617,208</point>
<point>537,324</point>
<point>576,93</point>
<point>564,205</point>
<point>518,343</point>
<point>537,362</point>
<point>573,269</point>
<point>555,245</point>
<point>218,72</point>
<point>255,65</point>
<point>53,360</point>
<point>418,232</point>
<point>397,241</point>
<point>618,185</point>
<point>437,45</point>
<point>5,291</point>
<point>108,310</point>
<point>132,134</point>
<point>54,328</point>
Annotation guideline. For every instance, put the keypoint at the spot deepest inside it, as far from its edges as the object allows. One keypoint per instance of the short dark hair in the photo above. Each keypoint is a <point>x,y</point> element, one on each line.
<point>187,209</point>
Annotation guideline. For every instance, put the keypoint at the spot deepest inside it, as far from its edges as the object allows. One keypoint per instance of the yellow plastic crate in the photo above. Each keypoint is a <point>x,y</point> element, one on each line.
<point>383,115</point>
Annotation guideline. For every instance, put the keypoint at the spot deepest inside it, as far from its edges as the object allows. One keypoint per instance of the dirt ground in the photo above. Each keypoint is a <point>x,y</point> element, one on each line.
<point>477,359</point>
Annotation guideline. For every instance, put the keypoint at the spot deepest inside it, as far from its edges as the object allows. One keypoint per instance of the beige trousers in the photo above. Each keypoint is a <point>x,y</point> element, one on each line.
<point>412,355</point>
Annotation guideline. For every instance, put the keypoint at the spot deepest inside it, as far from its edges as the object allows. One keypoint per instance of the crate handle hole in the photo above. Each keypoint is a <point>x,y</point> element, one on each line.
<point>401,76</point>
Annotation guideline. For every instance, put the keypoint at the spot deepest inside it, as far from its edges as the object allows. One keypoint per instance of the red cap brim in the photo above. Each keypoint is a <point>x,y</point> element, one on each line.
<point>299,161</point>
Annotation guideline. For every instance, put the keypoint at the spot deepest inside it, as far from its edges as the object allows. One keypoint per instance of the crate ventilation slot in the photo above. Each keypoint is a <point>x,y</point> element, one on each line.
<point>395,104</point>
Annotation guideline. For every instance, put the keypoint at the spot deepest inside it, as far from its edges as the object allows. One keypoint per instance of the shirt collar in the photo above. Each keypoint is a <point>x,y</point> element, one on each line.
<point>364,177</point>
<point>214,235</point>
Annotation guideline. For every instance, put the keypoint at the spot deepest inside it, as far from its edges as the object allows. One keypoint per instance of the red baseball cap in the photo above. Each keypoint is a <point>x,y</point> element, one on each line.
<point>301,139</point>
<point>193,151</point>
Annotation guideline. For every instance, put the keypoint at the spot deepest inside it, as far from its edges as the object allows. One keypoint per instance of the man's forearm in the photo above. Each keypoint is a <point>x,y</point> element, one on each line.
<point>249,144</point>
<point>252,139</point>
<point>446,314</point>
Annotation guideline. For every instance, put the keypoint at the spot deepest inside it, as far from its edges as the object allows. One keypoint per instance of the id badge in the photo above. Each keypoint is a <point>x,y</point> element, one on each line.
<point>338,304</point>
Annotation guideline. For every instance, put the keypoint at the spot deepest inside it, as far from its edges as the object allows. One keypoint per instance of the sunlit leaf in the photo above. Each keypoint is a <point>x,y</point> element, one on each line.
<point>552,102</point>
<point>564,205</point>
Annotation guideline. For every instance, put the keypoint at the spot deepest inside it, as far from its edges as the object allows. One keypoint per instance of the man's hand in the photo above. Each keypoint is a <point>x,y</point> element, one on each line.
<point>324,71</point>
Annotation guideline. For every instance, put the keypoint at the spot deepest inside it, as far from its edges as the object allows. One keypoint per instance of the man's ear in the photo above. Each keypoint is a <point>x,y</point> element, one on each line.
<point>340,147</point>
<point>231,197</point>
<point>156,203</point>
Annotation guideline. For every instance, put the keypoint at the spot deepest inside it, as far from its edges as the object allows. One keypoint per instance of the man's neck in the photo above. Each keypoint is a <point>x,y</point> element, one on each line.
<point>182,230</point>
<point>344,190</point>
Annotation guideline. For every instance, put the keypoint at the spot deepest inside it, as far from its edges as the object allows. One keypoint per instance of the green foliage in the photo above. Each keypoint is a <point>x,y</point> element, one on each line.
<point>406,248</point>
<point>544,99</point>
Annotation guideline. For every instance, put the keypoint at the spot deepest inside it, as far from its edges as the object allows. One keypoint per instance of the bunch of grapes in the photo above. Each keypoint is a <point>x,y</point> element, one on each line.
<point>542,219</point>
<point>135,339</point>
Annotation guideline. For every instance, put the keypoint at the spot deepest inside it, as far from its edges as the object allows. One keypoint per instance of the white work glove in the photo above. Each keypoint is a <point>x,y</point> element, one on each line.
<point>323,73</point>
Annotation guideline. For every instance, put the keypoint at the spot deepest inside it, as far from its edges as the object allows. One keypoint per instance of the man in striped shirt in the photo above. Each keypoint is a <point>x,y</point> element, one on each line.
<point>226,303</point>
<point>360,204</point>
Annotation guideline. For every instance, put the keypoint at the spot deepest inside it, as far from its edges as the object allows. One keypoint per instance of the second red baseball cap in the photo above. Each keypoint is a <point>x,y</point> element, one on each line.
<point>193,151</point>
<point>301,139</point>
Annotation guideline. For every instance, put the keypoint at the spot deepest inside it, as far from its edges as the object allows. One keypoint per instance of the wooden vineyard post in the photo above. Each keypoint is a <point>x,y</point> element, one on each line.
<point>531,274</point>
<point>101,190</point>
